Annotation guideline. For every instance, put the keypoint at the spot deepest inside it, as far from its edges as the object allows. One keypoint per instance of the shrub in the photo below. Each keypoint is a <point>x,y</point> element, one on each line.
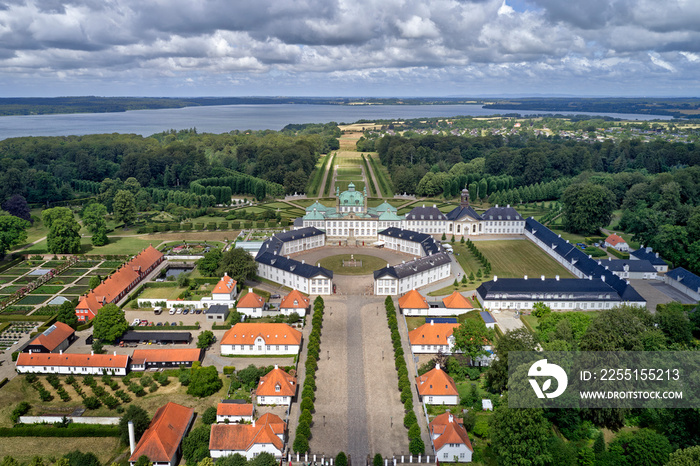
<point>301,444</point>
<point>307,404</point>
<point>20,410</point>
<point>416,446</point>
<point>92,402</point>
<point>414,431</point>
<point>409,419</point>
<point>378,460</point>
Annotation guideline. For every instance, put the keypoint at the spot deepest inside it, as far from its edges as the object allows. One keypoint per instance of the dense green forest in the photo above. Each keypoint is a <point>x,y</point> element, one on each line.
<point>51,169</point>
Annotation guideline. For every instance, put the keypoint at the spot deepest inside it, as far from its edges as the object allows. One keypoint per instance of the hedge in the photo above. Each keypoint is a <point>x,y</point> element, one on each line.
<point>84,326</point>
<point>72,430</point>
<point>619,254</point>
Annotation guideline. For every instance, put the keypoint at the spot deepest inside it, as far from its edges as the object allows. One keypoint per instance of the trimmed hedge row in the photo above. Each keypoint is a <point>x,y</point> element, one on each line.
<point>308,392</point>
<point>72,430</point>
<point>619,254</point>
<point>415,442</point>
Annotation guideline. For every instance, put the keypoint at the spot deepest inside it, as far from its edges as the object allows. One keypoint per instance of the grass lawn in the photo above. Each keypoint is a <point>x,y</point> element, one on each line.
<point>162,293</point>
<point>535,321</point>
<point>516,258</point>
<point>48,289</point>
<point>25,448</point>
<point>369,264</point>
<point>117,245</point>
<point>33,299</point>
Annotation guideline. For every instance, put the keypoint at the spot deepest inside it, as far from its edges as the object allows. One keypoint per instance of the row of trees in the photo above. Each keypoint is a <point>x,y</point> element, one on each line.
<point>308,392</point>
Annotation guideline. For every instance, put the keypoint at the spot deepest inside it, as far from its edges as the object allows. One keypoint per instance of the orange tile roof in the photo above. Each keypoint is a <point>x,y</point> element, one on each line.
<point>140,356</point>
<point>413,300</point>
<point>73,360</point>
<point>226,285</point>
<point>451,430</point>
<point>456,301</point>
<point>431,334</point>
<point>277,377</point>
<point>234,409</point>
<point>614,240</point>
<point>436,382</point>
<point>294,300</point>
<point>164,435</point>
<point>53,336</point>
<point>109,290</point>
<point>241,437</point>
<point>251,300</point>
<point>273,334</point>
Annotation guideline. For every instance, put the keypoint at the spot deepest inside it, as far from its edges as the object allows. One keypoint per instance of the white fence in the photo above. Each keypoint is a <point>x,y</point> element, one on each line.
<point>106,421</point>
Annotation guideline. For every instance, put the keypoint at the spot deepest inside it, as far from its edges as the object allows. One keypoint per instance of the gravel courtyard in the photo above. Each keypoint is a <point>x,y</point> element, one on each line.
<point>357,397</point>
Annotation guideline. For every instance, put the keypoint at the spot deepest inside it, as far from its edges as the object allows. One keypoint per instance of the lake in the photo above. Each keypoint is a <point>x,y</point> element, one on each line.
<point>224,118</point>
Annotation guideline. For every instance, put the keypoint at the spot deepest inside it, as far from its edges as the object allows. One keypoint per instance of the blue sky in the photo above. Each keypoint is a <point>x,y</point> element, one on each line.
<point>350,48</point>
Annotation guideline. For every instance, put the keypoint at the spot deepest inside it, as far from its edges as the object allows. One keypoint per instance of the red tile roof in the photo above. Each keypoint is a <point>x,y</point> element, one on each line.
<point>241,437</point>
<point>614,240</point>
<point>436,382</point>
<point>450,429</point>
<point>234,409</point>
<point>141,356</point>
<point>53,336</point>
<point>225,286</point>
<point>277,377</point>
<point>73,360</point>
<point>431,334</point>
<point>456,301</point>
<point>251,300</point>
<point>273,334</point>
<point>413,300</point>
<point>294,300</point>
<point>127,275</point>
<point>164,435</point>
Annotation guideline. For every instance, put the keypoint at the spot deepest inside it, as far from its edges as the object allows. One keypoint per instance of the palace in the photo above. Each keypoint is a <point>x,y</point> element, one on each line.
<point>352,221</point>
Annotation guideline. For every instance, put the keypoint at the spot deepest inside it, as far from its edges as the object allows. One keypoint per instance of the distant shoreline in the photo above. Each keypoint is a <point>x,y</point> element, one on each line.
<point>674,107</point>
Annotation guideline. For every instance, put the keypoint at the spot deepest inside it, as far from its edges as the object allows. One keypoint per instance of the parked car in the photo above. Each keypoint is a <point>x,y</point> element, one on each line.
<point>173,324</point>
<point>185,312</point>
<point>158,311</point>
<point>159,324</point>
<point>171,311</point>
<point>197,311</point>
<point>179,311</point>
<point>275,296</point>
<point>136,322</point>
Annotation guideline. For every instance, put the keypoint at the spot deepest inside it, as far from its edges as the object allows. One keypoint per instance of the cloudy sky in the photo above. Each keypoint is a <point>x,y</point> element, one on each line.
<point>349,48</point>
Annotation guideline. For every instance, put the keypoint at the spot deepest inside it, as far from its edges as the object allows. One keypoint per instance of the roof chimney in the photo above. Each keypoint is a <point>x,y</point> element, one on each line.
<point>542,277</point>
<point>250,290</point>
<point>602,277</point>
<point>92,353</point>
<point>302,261</point>
<point>432,322</point>
<point>495,278</point>
<point>437,366</point>
<point>525,277</point>
<point>276,367</point>
<point>557,277</point>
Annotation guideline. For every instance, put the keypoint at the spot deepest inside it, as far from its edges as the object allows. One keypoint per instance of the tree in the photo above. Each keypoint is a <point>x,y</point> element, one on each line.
<point>687,457</point>
<point>205,339</point>
<point>599,445</point>
<point>209,263</point>
<point>416,446</point>
<point>100,237</point>
<point>643,447</point>
<point>587,207</point>
<point>64,230</point>
<point>140,418</point>
<point>471,337</point>
<point>674,322</point>
<point>513,340</point>
<point>378,460</point>
<point>78,458</point>
<point>209,415</point>
<point>94,217</point>
<point>124,207</point>
<point>238,264</point>
<point>263,459</point>
<point>12,232</point>
<point>232,460</point>
<point>204,381</point>
<point>341,459</point>
<point>617,329</point>
<point>66,314</point>
<point>94,282</point>
<point>109,323</point>
<point>9,461</point>
<point>143,461</point>
<point>195,447</point>
<point>464,279</point>
<point>540,309</point>
<point>519,436</point>
<point>17,207</point>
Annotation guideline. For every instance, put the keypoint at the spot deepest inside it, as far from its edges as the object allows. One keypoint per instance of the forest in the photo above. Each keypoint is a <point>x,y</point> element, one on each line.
<point>50,169</point>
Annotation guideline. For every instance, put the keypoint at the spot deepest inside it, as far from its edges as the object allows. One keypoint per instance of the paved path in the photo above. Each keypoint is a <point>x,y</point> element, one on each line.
<point>358,442</point>
<point>326,172</point>
<point>374,178</point>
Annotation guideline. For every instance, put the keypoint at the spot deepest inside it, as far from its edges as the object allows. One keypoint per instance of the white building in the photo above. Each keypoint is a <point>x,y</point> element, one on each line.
<point>255,339</point>
<point>225,290</point>
<point>648,254</point>
<point>160,443</point>
<point>450,439</point>
<point>402,278</point>
<point>229,411</point>
<point>295,302</point>
<point>82,364</point>
<point>432,338</point>
<point>251,304</point>
<point>276,388</point>
<point>502,221</point>
<point>266,435</point>
<point>307,278</point>
<point>435,387</point>
<point>684,281</point>
<point>630,269</point>
<point>616,242</point>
